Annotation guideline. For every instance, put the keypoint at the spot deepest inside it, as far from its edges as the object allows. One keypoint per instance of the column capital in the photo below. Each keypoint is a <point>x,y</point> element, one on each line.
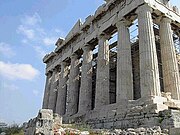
<point>74,56</point>
<point>87,47</point>
<point>124,22</point>
<point>64,63</point>
<point>144,8</point>
<point>104,36</point>
<point>166,19</point>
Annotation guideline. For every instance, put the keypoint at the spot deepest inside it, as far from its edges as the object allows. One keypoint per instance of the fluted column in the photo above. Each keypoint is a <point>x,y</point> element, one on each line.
<point>85,97</point>
<point>149,73</point>
<point>169,61</point>
<point>53,91</point>
<point>47,91</point>
<point>62,91</point>
<point>73,93</point>
<point>102,74</point>
<point>124,62</point>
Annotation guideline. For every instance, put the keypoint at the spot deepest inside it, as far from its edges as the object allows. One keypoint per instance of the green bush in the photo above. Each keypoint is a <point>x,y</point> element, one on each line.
<point>14,130</point>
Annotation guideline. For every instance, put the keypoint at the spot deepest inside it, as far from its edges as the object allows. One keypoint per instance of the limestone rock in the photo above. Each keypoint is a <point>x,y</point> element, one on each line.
<point>141,129</point>
<point>42,124</point>
<point>117,131</point>
<point>84,133</point>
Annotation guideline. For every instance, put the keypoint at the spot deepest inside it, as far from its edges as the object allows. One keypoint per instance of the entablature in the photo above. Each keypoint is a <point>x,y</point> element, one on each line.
<point>104,20</point>
<point>47,57</point>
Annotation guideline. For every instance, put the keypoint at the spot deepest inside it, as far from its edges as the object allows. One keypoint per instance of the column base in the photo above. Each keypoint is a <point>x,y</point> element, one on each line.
<point>145,112</point>
<point>173,104</point>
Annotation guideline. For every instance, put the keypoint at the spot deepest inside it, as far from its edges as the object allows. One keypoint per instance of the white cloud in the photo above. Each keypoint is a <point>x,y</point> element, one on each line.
<point>31,20</point>
<point>27,32</point>
<point>39,38</point>
<point>50,40</point>
<point>6,50</point>
<point>29,27</point>
<point>32,31</point>
<point>18,71</point>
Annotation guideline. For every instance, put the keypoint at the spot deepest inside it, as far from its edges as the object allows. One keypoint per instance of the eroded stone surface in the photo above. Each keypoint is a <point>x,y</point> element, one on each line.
<point>42,124</point>
<point>123,83</point>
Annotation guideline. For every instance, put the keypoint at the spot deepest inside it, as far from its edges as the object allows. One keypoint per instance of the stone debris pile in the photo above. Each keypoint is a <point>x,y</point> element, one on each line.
<point>47,123</point>
<point>156,130</point>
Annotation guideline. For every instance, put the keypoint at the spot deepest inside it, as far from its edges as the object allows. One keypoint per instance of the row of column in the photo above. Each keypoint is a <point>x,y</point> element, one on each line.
<point>149,74</point>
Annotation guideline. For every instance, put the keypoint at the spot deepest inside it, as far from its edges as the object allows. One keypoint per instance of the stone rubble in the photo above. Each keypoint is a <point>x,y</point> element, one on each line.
<point>47,123</point>
<point>130,131</point>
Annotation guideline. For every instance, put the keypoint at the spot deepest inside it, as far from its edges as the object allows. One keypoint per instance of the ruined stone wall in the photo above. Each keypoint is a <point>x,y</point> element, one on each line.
<point>43,124</point>
<point>91,78</point>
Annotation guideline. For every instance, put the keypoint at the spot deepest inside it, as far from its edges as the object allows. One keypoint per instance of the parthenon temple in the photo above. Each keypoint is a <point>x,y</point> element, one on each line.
<point>119,67</point>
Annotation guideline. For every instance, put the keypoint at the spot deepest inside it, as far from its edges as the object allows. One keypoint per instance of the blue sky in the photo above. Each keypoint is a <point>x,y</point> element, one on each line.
<point>28,30</point>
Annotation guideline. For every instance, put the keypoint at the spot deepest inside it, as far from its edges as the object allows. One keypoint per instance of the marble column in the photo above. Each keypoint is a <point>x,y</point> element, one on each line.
<point>124,62</point>
<point>53,92</point>
<point>102,74</point>
<point>47,90</point>
<point>149,72</point>
<point>169,61</point>
<point>73,92</point>
<point>62,91</point>
<point>85,96</point>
